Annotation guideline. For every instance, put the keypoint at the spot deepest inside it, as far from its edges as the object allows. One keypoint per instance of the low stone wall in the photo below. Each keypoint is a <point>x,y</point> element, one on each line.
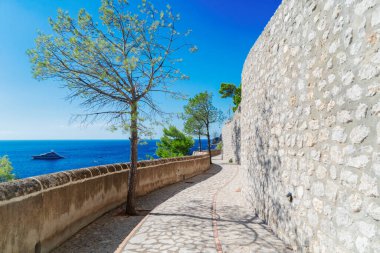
<point>39,213</point>
<point>231,135</point>
<point>214,152</point>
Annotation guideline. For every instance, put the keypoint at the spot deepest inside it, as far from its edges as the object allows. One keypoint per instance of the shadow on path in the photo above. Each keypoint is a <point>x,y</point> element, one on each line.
<point>107,232</point>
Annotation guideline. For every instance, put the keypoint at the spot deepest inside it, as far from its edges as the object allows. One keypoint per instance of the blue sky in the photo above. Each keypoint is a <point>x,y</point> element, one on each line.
<point>223,30</point>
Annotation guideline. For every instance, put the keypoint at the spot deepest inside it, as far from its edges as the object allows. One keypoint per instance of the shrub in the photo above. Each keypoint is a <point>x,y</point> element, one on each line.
<point>6,170</point>
<point>174,143</point>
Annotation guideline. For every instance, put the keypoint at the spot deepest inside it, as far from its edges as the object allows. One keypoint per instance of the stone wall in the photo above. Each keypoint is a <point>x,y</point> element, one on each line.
<point>231,135</point>
<point>214,152</point>
<point>39,213</point>
<point>311,125</point>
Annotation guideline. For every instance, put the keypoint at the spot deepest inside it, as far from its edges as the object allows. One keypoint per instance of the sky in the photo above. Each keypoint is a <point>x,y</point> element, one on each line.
<point>223,30</point>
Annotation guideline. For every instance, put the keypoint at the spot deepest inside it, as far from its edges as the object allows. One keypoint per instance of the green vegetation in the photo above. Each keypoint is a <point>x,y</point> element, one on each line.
<point>6,170</point>
<point>219,146</point>
<point>201,109</point>
<point>196,128</point>
<point>174,143</point>
<point>113,66</point>
<point>228,90</point>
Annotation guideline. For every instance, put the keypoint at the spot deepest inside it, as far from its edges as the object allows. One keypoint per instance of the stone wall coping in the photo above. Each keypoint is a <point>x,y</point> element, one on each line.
<point>27,186</point>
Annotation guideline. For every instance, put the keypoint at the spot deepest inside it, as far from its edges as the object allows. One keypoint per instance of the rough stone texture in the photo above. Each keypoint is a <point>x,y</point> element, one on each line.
<point>37,214</point>
<point>231,135</point>
<point>310,125</point>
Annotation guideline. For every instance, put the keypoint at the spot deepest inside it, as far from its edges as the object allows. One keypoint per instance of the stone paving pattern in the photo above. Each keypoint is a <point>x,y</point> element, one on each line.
<point>106,233</point>
<point>184,222</point>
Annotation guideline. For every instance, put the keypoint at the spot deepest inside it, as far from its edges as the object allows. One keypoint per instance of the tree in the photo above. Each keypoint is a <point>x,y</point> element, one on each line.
<point>6,170</point>
<point>228,90</point>
<point>202,110</point>
<point>194,127</point>
<point>174,143</point>
<point>115,66</point>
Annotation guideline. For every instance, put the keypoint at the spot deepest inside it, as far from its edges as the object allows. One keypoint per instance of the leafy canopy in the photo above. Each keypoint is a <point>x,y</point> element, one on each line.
<point>200,108</point>
<point>194,127</point>
<point>228,90</point>
<point>116,63</point>
<point>6,170</point>
<point>174,143</point>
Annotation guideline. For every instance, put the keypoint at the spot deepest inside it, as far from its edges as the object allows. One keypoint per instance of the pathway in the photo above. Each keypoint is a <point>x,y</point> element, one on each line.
<point>207,217</point>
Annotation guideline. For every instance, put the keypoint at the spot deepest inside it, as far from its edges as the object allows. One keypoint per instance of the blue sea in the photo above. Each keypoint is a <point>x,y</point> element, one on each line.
<point>77,153</point>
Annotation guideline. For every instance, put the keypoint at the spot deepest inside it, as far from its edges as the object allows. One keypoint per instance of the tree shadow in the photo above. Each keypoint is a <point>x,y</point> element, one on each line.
<point>107,232</point>
<point>237,139</point>
<point>264,173</point>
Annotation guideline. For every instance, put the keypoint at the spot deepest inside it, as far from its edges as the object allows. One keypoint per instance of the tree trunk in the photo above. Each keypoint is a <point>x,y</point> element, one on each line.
<point>131,205</point>
<point>200,144</point>
<point>209,143</point>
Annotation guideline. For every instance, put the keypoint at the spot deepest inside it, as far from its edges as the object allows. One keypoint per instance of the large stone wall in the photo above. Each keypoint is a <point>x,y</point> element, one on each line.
<point>39,213</point>
<point>311,125</point>
<point>231,134</point>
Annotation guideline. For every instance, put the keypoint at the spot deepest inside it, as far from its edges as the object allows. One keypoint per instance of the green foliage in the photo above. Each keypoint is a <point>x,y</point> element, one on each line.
<point>174,143</point>
<point>194,127</point>
<point>219,146</point>
<point>6,170</point>
<point>228,90</point>
<point>201,109</point>
<point>114,64</point>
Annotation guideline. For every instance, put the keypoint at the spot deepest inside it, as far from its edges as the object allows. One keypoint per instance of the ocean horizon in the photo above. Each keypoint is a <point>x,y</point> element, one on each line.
<point>77,154</point>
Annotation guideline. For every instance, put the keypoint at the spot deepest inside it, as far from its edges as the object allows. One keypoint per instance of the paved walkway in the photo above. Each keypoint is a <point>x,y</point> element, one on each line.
<point>207,217</point>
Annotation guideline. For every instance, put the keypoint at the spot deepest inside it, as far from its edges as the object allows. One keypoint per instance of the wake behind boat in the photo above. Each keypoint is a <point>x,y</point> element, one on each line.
<point>48,156</point>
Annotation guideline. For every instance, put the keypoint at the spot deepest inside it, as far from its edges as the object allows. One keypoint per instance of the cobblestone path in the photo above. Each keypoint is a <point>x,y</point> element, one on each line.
<point>209,216</point>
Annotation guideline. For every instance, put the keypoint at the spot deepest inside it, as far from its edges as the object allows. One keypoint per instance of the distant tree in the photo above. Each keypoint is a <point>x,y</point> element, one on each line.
<point>202,110</point>
<point>6,170</point>
<point>228,90</point>
<point>196,128</point>
<point>114,66</point>
<point>174,143</point>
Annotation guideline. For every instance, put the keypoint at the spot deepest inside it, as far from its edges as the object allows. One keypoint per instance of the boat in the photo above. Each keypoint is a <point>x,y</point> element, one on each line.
<point>48,156</point>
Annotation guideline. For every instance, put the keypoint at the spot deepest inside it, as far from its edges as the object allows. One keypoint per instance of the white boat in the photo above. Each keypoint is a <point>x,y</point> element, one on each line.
<point>48,156</point>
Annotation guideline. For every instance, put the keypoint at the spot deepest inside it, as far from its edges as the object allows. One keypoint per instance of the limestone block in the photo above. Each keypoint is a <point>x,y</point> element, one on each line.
<point>344,116</point>
<point>358,161</point>
<point>355,201</point>
<point>342,217</point>
<point>367,72</point>
<point>338,134</point>
<point>376,16</point>
<point>361,111</point>
<point>376,109</point>
<point>318,189</point>
<point>359,133</point>
<point>354,93</point>
<point>348,178</point>
<point>363,6</point>
<point>367,229</point>
<point>368,186</point>
<point>374,211</point>
<point>362,244</point>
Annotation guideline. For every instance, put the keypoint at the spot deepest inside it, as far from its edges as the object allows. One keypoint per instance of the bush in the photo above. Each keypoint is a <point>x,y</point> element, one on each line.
<point>174,143</point>
<point>6,170</point>
<point>219,146</point>
<point>231,160</point>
